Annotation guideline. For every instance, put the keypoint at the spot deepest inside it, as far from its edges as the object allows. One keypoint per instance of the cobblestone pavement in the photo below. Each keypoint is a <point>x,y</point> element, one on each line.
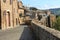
<point>19,33</point>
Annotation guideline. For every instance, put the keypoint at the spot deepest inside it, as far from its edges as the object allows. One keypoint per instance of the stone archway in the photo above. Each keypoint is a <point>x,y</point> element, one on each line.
<point>8,19</point>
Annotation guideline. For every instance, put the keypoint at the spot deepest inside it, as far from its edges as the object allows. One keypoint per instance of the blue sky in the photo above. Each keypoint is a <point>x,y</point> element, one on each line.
<point>42,4</point>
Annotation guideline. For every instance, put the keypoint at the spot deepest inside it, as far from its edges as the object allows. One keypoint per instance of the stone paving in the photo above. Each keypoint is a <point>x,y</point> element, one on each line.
<point>19,33</point>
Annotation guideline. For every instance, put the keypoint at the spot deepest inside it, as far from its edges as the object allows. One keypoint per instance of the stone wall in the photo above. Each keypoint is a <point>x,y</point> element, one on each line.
<point>6,15</point>
<point>9,14</point>
<point>44,33</point>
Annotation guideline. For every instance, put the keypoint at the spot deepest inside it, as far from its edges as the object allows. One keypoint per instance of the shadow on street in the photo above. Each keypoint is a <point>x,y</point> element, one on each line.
<point>26,34</point>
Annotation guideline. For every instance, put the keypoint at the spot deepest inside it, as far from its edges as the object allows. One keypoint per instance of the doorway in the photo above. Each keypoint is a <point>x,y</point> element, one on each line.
<point>8,19</point>
<point>0,18</point>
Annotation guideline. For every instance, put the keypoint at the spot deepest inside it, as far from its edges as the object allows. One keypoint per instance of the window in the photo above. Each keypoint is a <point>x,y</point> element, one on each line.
<point>20,14</point>
<point>10,1</point>
<point>4,1</point>
<point>16,21</point>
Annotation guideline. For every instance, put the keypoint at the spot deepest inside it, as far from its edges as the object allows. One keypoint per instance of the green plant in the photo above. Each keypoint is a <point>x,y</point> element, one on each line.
<point>57,24</point>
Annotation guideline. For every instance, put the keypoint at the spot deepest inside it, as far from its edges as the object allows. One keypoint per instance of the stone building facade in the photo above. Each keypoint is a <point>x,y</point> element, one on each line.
<point>49,18</point>
<point>21,12</point>
<point>52,19</point>
<point>8,14</point>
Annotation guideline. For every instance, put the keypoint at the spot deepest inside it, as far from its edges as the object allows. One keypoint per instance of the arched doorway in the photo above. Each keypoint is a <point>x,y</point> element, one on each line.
<point>8,18</point>
<point>0,19</point>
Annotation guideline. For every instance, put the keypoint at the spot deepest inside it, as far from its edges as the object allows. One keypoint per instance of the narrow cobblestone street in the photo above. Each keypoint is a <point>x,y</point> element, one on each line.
<point>19,33</point>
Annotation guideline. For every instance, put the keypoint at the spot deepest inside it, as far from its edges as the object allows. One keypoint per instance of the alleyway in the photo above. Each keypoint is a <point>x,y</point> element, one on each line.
<point>18,33</point>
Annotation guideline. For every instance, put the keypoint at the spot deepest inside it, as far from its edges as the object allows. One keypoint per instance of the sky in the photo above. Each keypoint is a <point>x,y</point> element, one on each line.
<point>42,4</point>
